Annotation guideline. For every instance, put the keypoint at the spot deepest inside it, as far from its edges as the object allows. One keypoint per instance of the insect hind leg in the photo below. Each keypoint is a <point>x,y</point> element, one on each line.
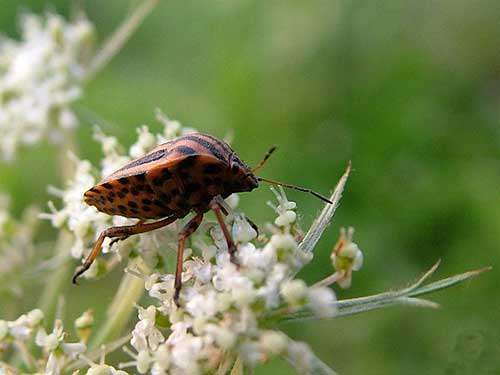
<point>124,237</point>
<point>118,233</point>
<point>188,230</point>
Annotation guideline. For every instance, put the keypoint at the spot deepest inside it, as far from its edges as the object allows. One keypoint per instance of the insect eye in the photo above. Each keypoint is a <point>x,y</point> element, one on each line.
<point>235,169</point>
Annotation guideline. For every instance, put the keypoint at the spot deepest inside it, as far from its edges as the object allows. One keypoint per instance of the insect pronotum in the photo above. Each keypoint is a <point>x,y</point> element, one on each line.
<point>193,172</point>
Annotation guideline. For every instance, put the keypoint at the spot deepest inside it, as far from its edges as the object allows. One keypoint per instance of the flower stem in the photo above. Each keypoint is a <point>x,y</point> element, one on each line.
<point>58,279</point>
<point>333,278</point>
<point>118,315</point>
<point>118,39</point>
<point>238,368</point>
<point>25,354</point>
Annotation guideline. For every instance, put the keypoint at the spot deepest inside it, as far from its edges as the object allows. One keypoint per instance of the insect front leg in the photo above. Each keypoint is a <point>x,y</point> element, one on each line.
<point>188,230</point>
<point>118,233</point>
<point>219,214</point>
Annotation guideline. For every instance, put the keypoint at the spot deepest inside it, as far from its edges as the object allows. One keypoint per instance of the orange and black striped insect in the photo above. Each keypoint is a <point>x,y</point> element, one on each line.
<point>190,173</point>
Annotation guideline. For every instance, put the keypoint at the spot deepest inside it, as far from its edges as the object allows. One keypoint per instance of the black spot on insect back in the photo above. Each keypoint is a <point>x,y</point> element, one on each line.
<point>192,187</point>
<point>158,181</point>
<point>165,198</point>
<point>212,168</point>
<point>165,173</point>
<point>188,161</point>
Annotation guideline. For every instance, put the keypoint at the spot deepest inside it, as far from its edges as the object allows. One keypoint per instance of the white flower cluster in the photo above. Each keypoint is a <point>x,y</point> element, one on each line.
<point>16,246</point>
<point>228,310</point>
<point>40,77</point>
<point>21,328</point>
<point>56,352</point>
<point>86,222</point>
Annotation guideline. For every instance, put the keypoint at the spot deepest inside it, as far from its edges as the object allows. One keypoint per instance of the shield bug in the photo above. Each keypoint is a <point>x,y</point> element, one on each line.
<point>191,173</point>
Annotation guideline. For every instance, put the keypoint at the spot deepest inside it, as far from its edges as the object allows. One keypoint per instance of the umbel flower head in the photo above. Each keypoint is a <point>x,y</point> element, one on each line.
<point>226,310</point>
<point>55,352</point>
<point>40,77</point>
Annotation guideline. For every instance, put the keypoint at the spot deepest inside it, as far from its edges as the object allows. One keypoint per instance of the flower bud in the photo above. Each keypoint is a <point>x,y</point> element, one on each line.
<point>84,324</point>
<point>346,257</point>
<point>273,342</point>
<point>322,301</point>
<point>294,292</point>
<point>35,317</point>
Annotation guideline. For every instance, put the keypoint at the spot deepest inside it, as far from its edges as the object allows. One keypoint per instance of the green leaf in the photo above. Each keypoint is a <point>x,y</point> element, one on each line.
<point>323,220</point>
<point>404,296</point>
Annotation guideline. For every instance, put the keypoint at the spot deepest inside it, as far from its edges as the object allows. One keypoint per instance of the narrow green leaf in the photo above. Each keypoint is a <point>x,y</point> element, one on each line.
<point>405,296</point>
<point>318,227</point>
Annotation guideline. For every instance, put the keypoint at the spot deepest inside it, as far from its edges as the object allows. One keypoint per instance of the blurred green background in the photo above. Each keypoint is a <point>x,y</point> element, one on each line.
<point>409,91</point>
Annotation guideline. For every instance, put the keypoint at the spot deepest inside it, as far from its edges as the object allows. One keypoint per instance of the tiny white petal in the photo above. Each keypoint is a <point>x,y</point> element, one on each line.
<point>322,301</point>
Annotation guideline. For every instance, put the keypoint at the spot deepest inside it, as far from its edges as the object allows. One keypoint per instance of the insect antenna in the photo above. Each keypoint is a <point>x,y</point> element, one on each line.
<point>295,187</point>
<point>264,159</point>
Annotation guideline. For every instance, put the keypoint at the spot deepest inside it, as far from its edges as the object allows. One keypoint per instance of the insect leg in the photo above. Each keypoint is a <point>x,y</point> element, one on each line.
<point>122,238</point>
<point>188,230</point>
<point>119,232</point>
<point>216,208</point>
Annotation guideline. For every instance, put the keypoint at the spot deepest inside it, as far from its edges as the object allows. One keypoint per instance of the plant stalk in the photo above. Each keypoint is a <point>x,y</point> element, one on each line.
<point>61,275</point>
<point>118,39</point>
<point>120,310</point>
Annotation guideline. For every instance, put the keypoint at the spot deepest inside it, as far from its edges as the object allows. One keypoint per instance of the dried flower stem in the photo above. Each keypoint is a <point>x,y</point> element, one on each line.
<point>115,43</point>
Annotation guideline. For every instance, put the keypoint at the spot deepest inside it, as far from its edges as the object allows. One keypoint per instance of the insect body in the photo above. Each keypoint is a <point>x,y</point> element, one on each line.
<point>190,173</point>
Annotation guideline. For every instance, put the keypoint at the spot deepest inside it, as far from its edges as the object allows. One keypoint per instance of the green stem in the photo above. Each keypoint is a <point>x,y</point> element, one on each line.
<point>58,279</point>
<point>238,368</point>
<point>115,43</point>
<point>121,308</point>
